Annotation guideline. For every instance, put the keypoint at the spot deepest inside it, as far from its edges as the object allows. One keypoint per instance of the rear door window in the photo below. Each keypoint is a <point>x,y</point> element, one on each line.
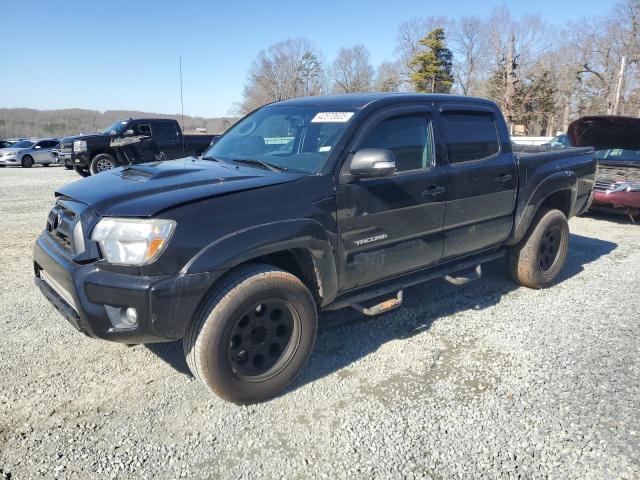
<point>164,129</point>
<point>470,136</point>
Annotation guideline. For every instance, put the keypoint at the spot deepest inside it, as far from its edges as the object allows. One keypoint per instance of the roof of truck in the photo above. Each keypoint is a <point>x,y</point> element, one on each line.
<point>361,100</point>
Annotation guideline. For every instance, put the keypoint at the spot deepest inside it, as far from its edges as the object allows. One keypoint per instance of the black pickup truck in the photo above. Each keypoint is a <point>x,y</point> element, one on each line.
<point>91,154</point>
<point>304,205</point>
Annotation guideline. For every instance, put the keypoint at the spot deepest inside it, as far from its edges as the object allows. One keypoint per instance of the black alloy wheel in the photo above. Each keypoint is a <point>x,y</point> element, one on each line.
<point>263,339</point>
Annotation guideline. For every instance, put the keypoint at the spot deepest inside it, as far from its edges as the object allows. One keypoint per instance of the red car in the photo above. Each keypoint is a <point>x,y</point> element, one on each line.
<point>617,143</point>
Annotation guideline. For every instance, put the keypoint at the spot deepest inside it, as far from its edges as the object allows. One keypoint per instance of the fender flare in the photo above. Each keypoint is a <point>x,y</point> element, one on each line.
<point>245,245</point>
<point>565,180</point>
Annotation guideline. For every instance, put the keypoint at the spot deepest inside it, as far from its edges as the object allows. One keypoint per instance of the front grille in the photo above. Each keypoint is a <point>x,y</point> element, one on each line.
<point>62,223</point>
<point>607,176</point>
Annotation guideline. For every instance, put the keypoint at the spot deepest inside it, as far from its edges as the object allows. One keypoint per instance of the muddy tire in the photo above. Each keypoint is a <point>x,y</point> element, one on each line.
<point>538,259</point>
<point>254,336</point>
<point>27,161</point>
<point>101,163</point>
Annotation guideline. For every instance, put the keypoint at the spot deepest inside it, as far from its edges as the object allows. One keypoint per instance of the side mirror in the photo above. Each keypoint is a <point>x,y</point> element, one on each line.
<point>373,162</point>
<point>129,133</point>
<point>37,146</point>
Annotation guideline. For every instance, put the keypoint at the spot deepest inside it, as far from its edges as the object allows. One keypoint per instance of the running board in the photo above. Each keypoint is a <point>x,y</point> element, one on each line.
<point>364,294</point>
<point>382,307</point>
<point>463,277</point>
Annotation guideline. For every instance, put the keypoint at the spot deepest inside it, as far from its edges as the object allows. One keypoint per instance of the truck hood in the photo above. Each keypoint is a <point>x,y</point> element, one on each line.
<point>145,190</point>
<point>92,136</point>
<point>605,132</point>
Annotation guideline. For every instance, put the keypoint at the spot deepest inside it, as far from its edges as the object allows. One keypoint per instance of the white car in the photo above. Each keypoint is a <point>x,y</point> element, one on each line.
<point>29,152</point>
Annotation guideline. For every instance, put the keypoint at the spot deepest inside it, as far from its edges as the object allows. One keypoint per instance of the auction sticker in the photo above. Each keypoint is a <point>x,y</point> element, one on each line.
<point>332,117</point>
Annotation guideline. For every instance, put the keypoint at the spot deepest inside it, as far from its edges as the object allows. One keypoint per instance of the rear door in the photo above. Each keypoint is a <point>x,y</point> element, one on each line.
<point>167,138</point>
<point>481,179</point>
<point>392,225</point>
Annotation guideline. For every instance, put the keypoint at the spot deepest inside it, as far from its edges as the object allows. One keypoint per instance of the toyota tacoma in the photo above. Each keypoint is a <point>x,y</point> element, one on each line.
<point>303,206</point>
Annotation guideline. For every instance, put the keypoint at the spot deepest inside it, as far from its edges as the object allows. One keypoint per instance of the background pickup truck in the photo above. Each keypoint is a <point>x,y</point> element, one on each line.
<point>304,205</point>
<point>90,154</point>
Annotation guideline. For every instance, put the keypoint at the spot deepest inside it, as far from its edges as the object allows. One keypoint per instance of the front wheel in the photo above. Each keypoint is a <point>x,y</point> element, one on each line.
<point>82,171</point>
<point>101,163</point>
<point>537,260</point>
<point>254,336</point>
<point>27,161</point>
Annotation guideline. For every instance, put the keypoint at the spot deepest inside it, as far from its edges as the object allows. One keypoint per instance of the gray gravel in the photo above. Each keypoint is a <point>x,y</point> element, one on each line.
<point>489,380</point>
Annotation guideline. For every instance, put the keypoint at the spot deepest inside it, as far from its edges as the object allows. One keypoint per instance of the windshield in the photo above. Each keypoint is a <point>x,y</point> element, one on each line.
<point>619,154</point>
<point>116,128</point>
<point>23,144</point>
<point>293,138</point>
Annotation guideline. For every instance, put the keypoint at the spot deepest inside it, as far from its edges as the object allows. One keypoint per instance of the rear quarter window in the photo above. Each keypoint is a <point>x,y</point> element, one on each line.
<point>470,136</point>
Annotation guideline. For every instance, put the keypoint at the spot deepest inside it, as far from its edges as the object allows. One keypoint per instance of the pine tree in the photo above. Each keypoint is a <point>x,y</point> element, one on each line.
<point>432,66</point>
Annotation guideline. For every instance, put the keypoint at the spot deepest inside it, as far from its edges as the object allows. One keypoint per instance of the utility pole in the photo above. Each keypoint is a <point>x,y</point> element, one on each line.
<point>616,102</point>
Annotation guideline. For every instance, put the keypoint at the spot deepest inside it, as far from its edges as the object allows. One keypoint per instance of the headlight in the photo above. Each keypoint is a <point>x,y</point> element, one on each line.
<point>79,146</point>
<point>625,187</point>
<point>127,241</point>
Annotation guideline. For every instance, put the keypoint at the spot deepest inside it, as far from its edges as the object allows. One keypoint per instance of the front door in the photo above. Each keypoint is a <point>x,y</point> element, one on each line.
<point>392,225</point>
<point>482,180</point>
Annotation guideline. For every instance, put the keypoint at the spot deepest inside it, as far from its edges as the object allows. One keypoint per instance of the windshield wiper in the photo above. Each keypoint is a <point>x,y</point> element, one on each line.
<point>255,161</point>
<point>209,157</point>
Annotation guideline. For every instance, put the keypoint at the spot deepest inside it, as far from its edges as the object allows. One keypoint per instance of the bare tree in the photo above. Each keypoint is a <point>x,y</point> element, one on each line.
<point>388,77</point>
<point>469,41</point>
<point>351,71</point>
<point>285,70</point>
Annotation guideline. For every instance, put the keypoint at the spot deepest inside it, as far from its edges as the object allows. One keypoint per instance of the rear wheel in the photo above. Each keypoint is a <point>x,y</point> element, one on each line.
<point>254,336</point>
<point>537,260</point>
<point>101,163</point>
<point>27,161</point>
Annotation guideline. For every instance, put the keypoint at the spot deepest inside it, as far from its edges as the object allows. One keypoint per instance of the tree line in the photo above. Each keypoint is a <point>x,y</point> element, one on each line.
<point>26,122</point>
<point>541,76</point>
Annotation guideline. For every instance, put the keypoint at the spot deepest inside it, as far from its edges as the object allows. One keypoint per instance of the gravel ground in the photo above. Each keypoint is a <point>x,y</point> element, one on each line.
<point>489,380</point>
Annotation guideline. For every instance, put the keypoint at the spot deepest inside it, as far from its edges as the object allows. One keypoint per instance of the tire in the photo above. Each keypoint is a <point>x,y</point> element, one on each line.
<point>46,164</point>
<point>101,163</point>
<point>82,171</point>
<point>27,161</point>
<point>68,167</point>
<point>538,259</point>
<point>254,336</point>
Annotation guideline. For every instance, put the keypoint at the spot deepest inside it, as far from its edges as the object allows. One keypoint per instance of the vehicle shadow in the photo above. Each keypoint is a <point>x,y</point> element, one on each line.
<point>615,217</point>
<point>346,336</point>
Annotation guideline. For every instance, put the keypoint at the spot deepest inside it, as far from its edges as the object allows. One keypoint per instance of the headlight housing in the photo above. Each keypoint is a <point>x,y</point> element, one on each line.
<point>128,241</point>
<point>79,146</point>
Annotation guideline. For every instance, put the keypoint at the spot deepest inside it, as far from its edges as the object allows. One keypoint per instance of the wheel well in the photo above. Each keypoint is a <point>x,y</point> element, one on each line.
<point>560,200</point>
<point>298,262</point>
<point>108,152</point>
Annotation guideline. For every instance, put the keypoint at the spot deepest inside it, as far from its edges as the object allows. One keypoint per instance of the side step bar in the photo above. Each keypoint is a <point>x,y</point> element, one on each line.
<point>381,307</point>
<point>464,277</point>
<point>361,295</point>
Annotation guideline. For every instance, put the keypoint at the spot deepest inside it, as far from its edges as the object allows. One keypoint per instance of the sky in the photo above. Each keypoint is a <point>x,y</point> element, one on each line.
<point>123,55</point>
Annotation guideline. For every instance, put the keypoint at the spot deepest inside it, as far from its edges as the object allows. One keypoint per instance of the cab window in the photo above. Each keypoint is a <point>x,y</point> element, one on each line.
<point>408,137</point>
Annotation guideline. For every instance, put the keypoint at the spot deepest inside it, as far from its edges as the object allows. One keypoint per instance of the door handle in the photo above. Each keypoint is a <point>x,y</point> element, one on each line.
<point>434,191</point>
<point>502,178</point>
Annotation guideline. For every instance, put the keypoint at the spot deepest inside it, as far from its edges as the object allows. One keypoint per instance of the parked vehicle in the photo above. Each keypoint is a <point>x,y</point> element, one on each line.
<point>9,141</point>
<point>617,143</point>
<point>91,154</point>
<point>304,205</point>
<point>559,141</point>
<point>29,152</point>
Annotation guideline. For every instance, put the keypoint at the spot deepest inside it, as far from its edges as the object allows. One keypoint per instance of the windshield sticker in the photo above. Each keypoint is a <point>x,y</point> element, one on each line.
<point>332,117</point>
<point>324,148</point>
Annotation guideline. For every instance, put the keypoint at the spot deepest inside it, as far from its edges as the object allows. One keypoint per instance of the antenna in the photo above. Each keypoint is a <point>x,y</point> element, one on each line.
<point>184,154</point>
